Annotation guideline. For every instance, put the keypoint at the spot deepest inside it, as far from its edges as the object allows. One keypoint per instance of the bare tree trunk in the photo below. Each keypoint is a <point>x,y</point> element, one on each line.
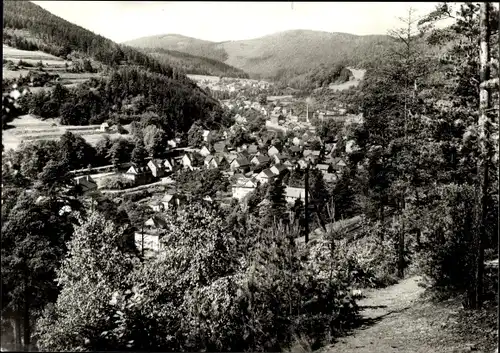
<point>17,329</point>
<point>26,316</point>
<point>482,166</point>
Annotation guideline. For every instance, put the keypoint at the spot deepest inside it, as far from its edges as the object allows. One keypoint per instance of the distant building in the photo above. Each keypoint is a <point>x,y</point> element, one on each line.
<point>210,162</point>
<point>294,194</point>
<point>260,160</point>
<point>104,127</point>
<point>140,175</point>
<point>204,151</point>
<point>86,182</point>
<point>265,176</point>
<point>272,151</point>
<point>242,187</point>
<point>157,168</point>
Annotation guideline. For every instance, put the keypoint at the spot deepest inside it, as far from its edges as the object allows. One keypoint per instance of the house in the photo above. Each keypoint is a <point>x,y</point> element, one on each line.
<point>302,163</point>
<point>323,168</point>
<point>104,127</point>
<point>280,158</point>
<point>278,169</point>
<point>240,164</point>
<point>294,194</point>
<point>170,201</point>
<point>156,223</point>
<point>140,175</point>
<point>204,151</point>
<point>207,136</point>
<point>252,149</point>
<point>157,168</point>
<point>272,151</point>
<point>242,187</point>
<point>151,242</point>
<point>220,147</point>
<point>289,164</point>
<point>339,162</point>
<point>295,151</point>
<point>86,182</point>
<point>260,160</point>
<point>265,176</point>
<point>210,162</point>
<point>187,162</point>
<point>157,206</point>
<point>329,177</point>
<point>169,165</point>
<point>230,157</point>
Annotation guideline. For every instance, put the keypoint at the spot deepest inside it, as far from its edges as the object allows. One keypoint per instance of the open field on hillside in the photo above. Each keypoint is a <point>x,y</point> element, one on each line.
<point>13,53</point>
<point>203,77</point>
<point>52,64</point>
<point>358,77</point>
<point>29,128</point>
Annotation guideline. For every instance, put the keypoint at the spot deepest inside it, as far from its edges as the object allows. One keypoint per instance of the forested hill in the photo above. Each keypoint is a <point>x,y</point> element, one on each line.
<point>135,87</point>
<point>296,51</point>
<point>28,26</point>
<point>195,65</point>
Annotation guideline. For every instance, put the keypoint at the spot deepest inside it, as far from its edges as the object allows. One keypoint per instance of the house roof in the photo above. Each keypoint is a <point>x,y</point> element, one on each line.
<point>209,158</point>
<point>266,173</point>
<point>167,198</point>
<point>262,158</point>
<point>156,222</point>
<point>322,166</point>
<point>307,152</point>
<point>138,170</point>
<point>295,192</point>
<point>279,167</point>
<point>206,133</point>
<point>252,149</point>
<point>295,149</point>
<point>242,161</point>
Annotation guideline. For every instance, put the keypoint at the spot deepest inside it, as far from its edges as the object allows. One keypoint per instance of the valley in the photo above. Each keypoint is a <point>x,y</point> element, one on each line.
<point>301,191</point>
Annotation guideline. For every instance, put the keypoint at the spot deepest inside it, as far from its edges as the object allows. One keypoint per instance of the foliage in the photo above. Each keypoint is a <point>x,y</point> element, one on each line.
<point>117,183</point>
<point>93,270</point>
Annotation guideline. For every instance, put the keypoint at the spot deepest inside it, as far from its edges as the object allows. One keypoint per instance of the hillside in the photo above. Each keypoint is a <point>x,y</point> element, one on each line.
<point>125,85</point>
<point>278,54</point>
<point>195,65</point>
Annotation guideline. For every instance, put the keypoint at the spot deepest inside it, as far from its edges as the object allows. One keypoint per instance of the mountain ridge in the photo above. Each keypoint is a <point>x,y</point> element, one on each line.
<point>293,51</point>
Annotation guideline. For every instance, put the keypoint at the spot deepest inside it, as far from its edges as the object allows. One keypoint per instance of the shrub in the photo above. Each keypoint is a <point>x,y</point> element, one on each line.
<point>117,183</point>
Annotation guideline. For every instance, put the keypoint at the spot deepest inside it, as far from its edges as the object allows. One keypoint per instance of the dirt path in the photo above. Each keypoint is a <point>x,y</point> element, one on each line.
<point>395,319</point>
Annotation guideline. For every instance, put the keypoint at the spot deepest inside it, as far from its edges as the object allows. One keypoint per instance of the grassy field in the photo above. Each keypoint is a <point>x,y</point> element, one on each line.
<point>358,77</point>
<point>52,64</point>
<point>30,128</point>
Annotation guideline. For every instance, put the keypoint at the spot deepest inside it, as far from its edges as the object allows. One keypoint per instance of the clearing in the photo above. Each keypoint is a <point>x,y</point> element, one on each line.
<point>358,77</point>
<point>52,64</point>
<point>29,128</point>
<point>397,319</point>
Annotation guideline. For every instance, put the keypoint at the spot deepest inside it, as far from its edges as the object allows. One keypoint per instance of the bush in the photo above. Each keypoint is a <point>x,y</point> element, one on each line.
<point>117,183</point>
<point>446,259</point>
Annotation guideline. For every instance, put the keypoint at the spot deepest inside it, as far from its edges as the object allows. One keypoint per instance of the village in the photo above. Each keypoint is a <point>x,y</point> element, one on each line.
<point>291,144</point>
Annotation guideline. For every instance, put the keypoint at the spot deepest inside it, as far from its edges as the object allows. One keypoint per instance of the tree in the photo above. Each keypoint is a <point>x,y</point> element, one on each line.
<point>155,140</point>
<point>195,135</point>
<point>120,152</point>
<point>102,148</point>
<point>33,243</point>
<point>76,153</point>
<point>139,153</point>
<point>95,267</point>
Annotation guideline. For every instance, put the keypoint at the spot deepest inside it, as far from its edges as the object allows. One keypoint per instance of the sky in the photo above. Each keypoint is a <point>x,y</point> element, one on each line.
<point>223,21</point>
